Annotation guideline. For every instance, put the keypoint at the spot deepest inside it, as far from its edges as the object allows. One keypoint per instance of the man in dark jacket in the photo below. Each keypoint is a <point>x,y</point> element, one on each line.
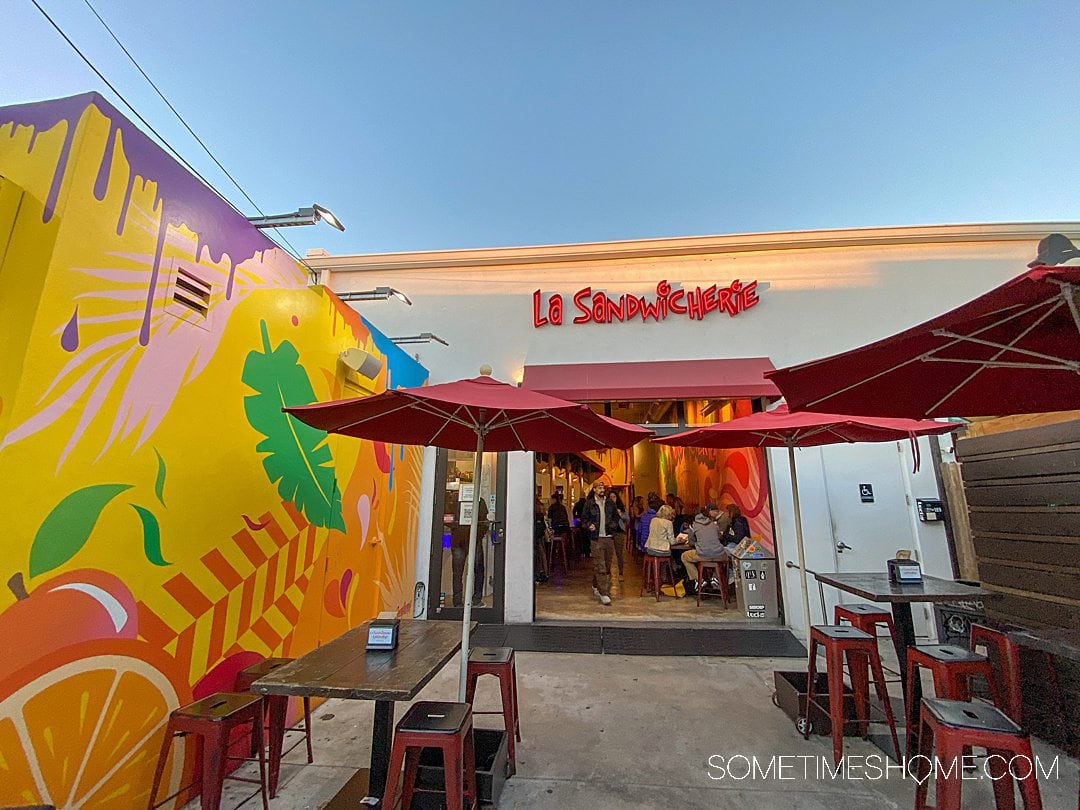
<point>600,519</point>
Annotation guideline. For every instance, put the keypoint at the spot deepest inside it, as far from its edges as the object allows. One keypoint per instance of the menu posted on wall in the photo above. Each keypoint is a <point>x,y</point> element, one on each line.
<point>465,513</point>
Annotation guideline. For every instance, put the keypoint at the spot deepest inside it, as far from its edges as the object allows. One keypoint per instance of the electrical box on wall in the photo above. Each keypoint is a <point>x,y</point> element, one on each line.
<point>930,510</point>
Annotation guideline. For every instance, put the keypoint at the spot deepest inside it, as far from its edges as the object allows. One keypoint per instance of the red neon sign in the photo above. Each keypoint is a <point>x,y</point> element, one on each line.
<point>599,307</point>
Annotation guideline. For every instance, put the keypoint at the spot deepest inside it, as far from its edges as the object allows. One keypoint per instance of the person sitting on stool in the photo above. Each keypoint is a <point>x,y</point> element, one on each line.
<point>706,535</point>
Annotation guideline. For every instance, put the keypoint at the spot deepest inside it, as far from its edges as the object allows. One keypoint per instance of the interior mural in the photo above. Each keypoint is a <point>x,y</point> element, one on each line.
<point>166,524</point>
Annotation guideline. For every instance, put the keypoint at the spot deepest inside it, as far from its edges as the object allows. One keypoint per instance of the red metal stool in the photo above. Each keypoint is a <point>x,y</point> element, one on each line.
<point>953,727</point>
<point>498,661</point>
<point>558,545</point>
<point>212,720</point>
<point>952,668</point>
<point>1004,657</point>
<point>860,650</point>
<point>446,726</point>
<point>720,569</point>
<point>244,679</point>
<point>865,617</point>
<point>651,572</point>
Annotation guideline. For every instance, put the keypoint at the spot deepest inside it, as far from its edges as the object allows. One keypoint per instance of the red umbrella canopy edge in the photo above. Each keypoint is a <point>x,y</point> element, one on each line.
<point>1012,350</point>
<point>452,414</point>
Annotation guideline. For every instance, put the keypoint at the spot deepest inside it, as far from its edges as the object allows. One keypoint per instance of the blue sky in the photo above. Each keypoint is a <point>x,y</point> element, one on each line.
<point>428,125</point>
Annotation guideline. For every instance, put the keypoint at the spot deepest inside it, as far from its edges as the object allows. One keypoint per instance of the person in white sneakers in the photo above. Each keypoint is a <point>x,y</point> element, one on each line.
<point>600,520</point>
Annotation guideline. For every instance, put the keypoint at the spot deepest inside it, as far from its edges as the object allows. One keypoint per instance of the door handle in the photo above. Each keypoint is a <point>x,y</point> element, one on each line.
<point>841,547</point>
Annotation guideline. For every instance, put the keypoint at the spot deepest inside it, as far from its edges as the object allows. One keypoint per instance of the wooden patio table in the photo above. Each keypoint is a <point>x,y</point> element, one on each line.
<point>344,668</point>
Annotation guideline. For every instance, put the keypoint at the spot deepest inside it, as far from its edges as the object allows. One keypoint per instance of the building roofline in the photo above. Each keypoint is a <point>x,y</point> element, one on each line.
<point>693,245</point>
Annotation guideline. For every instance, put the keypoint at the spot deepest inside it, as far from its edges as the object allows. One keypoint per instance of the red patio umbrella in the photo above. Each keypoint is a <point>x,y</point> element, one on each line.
<point>1015,349</point>
<point>781,428</point>
<point>478,414</point>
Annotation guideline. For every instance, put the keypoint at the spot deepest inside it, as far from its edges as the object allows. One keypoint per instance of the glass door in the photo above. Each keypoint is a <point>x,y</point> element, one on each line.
<point>455,480</point>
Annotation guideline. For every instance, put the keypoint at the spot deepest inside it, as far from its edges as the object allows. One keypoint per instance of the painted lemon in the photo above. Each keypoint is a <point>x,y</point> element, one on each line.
<point>82,727</point>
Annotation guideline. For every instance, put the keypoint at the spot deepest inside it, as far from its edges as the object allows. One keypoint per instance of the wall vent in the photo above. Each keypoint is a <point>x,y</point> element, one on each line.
<point>190,296</point>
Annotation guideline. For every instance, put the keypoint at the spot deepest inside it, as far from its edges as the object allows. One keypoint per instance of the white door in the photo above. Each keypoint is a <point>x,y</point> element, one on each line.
<point>868,490</point>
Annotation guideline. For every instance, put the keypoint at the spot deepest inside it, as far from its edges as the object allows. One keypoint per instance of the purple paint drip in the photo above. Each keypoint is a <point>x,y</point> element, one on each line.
<point>101,184</point>
<point>181,198</point>
<point>69,340</point>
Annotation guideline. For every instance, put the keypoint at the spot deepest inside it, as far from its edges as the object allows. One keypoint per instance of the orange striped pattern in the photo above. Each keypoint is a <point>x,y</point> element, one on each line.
<point>243,595</point>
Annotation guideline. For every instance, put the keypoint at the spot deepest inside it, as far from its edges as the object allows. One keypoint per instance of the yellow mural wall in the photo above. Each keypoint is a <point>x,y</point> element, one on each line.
<point>165,524</point>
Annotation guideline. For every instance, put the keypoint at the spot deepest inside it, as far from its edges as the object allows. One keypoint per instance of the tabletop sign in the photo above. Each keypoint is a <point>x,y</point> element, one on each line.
<point>866,493</point>
<point>383,634</point>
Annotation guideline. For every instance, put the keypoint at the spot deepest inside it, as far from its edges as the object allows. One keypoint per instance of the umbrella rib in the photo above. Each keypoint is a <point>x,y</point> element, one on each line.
<point>928,355</point>
<point>1005,347</point>
<point>1058,365</point>
<point>1070,293</point>
<point>380,415</point>
<point>973,374</point>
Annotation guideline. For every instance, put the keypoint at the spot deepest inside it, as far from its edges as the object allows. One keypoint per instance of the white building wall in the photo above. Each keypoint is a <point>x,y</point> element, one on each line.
<point>820,293</point>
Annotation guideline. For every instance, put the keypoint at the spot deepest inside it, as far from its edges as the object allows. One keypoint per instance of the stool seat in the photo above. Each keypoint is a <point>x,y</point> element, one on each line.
<point>864,609</point>
<point>974,716</point>
<point>218,707</point>
<point>431,724</point>
<point>434,717</point>
<point>949,653</point>
<point>264,667</point>
<point>491,655</point>
<point>842,632</point>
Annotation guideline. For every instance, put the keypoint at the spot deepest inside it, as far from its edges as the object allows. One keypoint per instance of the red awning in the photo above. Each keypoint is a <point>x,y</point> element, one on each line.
<point>739,378</point>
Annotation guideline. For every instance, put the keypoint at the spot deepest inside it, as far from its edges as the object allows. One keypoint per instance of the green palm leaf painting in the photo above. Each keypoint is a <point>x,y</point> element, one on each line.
<point>298,457</point>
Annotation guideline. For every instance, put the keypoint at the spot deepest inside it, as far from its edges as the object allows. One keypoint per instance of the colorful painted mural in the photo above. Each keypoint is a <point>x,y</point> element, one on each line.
<point>166,524</point>
<point>740,476</point>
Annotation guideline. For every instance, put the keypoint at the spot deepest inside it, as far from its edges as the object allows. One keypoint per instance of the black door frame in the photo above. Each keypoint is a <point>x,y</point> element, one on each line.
<point>487,615</point>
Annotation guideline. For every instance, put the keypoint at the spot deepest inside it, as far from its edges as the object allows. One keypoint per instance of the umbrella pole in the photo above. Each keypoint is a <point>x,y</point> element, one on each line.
<point>799,541</point>
<point>470,564</point>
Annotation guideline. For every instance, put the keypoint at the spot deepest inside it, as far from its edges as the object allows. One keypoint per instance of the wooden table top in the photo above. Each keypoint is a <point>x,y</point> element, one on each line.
<point>877,587</point>
<point>1055,640</point>
<point>343,668</point>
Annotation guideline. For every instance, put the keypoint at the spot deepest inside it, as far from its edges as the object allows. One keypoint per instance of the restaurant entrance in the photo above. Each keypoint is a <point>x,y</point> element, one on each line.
<point>455,478</point>
<point>686,478</point>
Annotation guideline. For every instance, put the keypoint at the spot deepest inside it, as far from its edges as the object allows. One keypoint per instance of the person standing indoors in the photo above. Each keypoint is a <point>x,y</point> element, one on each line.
<point>620,528</point>
<point>600,520</point>
<point>645,521</point>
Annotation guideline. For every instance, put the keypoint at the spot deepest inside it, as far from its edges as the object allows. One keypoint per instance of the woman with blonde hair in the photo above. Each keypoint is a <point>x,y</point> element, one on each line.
<point>661,533</point>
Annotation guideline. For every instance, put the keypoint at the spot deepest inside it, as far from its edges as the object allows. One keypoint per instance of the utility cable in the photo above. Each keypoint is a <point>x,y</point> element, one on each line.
<point>291,250</point>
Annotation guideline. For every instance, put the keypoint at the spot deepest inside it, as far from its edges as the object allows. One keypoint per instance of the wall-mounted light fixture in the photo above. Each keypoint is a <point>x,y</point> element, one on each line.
<point>363,363</point>
<point>302,216</point>
<point>378,294</point>
<point>423,337</point>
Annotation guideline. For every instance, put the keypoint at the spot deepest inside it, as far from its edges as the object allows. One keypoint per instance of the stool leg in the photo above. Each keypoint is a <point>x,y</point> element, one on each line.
<point>911,709</point>
<point>507,695</point>
<point>215,746</point>
<point>397,755</point>
<point>472,790</point>
<point>658,576</point>
<point>834,668</point>
<point>454,773</point>
<point>470,685</point>
<point>412,768</point>
<point>859,671</point>
<point>257,735</point>
<point>644,576</point>
<point>922,764</point>
<point>307,728</point>
<point>997,765</point>
<point>950,773</point>
<point>811,678</point>
<point>883,695</point>
<point>517,714</point>
<point>163,758</point>
<point>279,704</point>
<point>700,582</point>
<point>1029,788</point>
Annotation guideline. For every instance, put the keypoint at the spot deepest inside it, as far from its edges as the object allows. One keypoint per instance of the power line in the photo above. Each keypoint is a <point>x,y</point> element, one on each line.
<point>168,104</point>
<point>290,250</point>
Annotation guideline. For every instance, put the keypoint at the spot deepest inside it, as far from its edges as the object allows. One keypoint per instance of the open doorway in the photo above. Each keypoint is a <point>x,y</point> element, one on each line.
<point>687,478</point>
